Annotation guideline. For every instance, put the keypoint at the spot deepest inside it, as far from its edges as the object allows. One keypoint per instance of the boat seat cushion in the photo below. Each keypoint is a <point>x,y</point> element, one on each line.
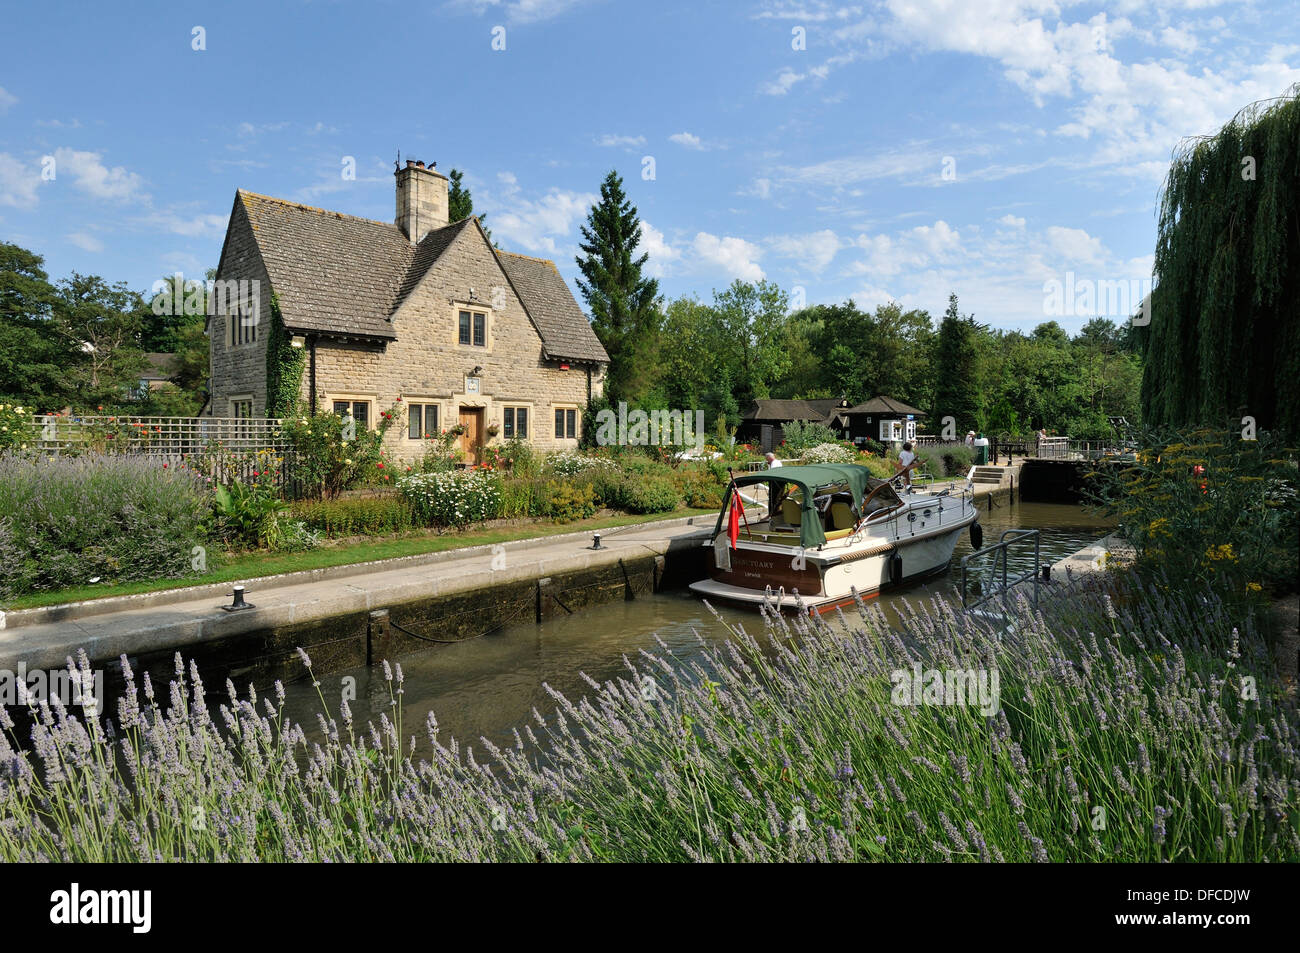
<point>791,512</point>
<point>842,516</point>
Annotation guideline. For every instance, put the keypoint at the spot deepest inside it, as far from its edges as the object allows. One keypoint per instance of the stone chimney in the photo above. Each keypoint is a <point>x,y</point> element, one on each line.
<point>421,199</point>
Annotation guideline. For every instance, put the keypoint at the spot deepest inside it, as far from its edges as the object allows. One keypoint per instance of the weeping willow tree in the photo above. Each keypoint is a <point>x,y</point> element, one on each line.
<point>1223,340</point>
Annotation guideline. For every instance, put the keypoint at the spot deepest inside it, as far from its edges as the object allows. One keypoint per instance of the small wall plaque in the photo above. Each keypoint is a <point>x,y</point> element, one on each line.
<point>472,385</point>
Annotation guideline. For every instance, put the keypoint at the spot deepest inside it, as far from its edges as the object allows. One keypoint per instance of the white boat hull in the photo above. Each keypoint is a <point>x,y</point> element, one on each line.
<point>898,552</point>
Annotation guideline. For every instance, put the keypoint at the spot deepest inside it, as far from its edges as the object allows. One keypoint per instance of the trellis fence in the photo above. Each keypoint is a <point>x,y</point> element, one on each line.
<point>161,436</point>
<point>222,449</point>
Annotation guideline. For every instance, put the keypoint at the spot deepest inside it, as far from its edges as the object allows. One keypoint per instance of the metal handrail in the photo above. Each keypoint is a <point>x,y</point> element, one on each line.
<point>1000,550</point>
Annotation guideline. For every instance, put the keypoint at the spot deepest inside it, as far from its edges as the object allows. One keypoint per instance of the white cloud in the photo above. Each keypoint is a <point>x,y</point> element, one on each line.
<point>192,226</point>
<point>627,142</point>
<point>813,251</point>
<point>1076,245</point>
<point>96,179</point>
<point>7,99</point>
<point>687,140</point>
<point>1011,221</point>
<point>784,82</point>
<point>1110,74</point>
<point>1180,40</point>
<point>735,257</point>
<point>652,242</point>
<point>539,226</point>
<point>916,248</point>
<point>86,242</point>
<point>18,182</point>
<point>518,11</point>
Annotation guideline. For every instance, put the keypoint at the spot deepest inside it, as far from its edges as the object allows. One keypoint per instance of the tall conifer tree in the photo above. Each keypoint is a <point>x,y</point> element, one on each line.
<point>623,302</point>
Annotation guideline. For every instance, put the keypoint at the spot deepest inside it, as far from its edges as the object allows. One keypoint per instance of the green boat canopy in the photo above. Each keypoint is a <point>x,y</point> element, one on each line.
<point>808,479</point>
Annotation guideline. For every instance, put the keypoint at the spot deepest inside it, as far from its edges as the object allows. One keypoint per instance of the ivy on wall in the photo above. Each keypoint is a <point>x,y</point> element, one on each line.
<point>284,367</point>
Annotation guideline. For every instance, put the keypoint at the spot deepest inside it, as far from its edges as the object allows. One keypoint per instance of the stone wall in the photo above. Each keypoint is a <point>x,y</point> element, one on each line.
<point>428,365</point>
<point>239,370</point>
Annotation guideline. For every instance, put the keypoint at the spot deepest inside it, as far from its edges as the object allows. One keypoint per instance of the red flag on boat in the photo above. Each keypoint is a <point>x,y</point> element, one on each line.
<point>733,528</point>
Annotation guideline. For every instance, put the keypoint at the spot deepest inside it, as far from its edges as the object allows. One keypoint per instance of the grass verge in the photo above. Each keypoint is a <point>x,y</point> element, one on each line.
<point>247,565</point>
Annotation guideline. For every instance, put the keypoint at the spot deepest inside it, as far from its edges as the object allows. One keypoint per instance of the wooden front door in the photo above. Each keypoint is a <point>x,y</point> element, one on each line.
<point>471,441</point>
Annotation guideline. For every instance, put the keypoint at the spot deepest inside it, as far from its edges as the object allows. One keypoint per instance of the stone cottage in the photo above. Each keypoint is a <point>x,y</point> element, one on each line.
<point>421,309</point>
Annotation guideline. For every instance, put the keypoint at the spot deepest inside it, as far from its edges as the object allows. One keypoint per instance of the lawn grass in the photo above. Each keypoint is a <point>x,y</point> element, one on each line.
<point>231,568</point>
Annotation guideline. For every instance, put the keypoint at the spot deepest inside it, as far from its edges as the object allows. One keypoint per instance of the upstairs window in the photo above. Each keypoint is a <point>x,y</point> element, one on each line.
<point>422,421</point>
<point>473,329</point>
<point>242,324</point>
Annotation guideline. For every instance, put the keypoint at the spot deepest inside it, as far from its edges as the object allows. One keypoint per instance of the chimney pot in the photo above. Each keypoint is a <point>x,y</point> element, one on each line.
<point>421,200</point>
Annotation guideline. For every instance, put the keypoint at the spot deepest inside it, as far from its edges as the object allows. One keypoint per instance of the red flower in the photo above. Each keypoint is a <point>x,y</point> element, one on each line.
<point>164,466</point>
<point>399,400</point>
<point>380,465</point>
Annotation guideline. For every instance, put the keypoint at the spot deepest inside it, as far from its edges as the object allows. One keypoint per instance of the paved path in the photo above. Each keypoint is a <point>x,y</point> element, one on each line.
<point>131,624</point>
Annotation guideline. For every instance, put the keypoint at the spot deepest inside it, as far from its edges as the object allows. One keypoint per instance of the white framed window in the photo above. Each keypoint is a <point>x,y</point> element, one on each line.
<point>515,422</point>
<point>422,421</point>
<point>891,430</point>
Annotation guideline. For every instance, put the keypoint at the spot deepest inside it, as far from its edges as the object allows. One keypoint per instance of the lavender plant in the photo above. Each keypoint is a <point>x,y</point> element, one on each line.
<point>67,521</point>
<point>1122,733</point>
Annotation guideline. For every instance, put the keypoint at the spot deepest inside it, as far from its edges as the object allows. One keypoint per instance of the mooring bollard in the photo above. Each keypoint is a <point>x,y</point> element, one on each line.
<point>237,601</point>
<point>379,637</point>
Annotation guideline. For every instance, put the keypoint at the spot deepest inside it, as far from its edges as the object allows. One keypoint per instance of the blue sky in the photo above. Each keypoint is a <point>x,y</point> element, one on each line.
<point>885,151</point>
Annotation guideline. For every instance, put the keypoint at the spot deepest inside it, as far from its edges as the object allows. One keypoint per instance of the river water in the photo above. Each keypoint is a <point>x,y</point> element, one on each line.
<point>487,686</point>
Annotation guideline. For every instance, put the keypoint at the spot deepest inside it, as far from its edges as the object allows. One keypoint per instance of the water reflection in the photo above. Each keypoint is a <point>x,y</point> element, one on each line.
<point>489,685</point>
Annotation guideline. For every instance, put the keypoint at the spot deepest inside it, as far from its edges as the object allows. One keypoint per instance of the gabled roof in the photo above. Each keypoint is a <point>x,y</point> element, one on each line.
<point>427,254</point>
<point>565,330</point>
<point>885,405</point>
<point>341,275</point>
<point>333,273</point>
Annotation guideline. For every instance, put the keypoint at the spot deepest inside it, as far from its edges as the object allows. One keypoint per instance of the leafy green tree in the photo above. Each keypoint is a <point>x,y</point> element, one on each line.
<point>623,302</point>
<point>34,362</point>
<point>751,325</point>
<point>103,321</point>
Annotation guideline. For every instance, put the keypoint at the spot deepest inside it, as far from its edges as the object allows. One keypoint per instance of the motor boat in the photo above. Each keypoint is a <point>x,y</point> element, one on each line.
<point>811,536</point>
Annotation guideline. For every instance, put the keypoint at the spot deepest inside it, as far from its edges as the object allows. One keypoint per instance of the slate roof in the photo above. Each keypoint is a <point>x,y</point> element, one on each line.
<point>341,275</point>
<point>565,330</point>
<point>885,405</point>
<point>333,273</point>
